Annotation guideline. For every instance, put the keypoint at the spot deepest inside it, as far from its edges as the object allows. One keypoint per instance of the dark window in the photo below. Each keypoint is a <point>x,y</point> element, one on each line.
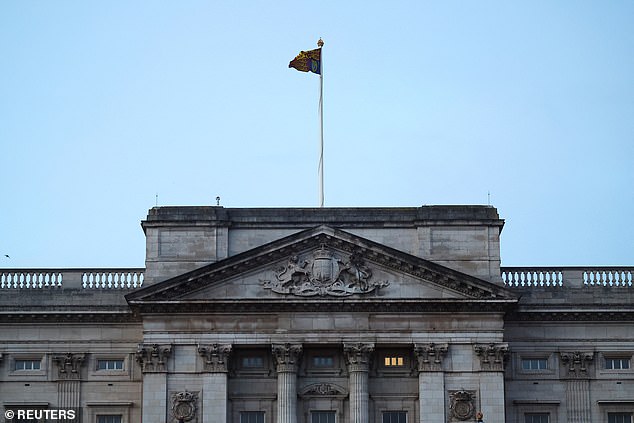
<point>617,363</point>
<point>534,364</point>
<point>323,361</point>
<point>252,362</point>
<point>394,361</point>
<point>322,417</point>
<point>110,364</point>
<point>252,417</point>
<point>27,364</point>
<point>537,418</point>
<point>109,418</point>
<point>619,417</point>
<point>394,417</point>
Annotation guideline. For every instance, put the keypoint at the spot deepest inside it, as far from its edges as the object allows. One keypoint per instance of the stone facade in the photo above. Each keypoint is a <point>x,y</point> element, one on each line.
<point>308,315</point>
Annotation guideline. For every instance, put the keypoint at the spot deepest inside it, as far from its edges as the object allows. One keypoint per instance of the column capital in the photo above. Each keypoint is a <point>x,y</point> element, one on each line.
<point>492,356</point>
<point>153,357</point>
<point>430,356</point>
<point>358,356</point>
<point>577,363</point>
<point>216,357</point>
<point>68,365</point>
<point>286,356</point>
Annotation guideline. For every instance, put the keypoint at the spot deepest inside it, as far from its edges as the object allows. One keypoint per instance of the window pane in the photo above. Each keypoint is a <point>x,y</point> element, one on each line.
<point>322,417</point>
<point>110,364</point>
<point>619,418</point>
<point>537,418</point>
<point>110,418</point>
<point>27,364</point>
<point>252,417</point>
<point>394,361</point>
<point>617,363</point>
<point>323,361</point>
<point>252,362</point>
<point>394,417</point>
<point>534,364</point>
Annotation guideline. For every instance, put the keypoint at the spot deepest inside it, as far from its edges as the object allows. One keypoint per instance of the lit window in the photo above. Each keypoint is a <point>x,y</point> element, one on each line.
<point>537,418</point>
<point>252,362</point>
<point>534,364</point>
<point>322,417</point>
<point>617,363</point>
<point>393,361</point>
<point>394,417</point>
<point>109,364</point>
<point>252,417</point>
<point>619,417</point>
<point>109,418</point>
<point>321,361</point>
<point>27,364</point>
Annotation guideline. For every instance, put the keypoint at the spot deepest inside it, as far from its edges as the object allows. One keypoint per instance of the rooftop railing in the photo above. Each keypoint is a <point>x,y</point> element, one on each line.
<point>121,279</point>
<point>570,277</point>
<point>132,278</point>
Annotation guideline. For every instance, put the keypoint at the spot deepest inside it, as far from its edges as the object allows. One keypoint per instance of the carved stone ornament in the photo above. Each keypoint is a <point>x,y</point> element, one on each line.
<point>68,365</point>
<point>492,356</point>
<point>461,405</point>
<point>216,357</point>
<point>358,356</point>
<point>153,358</point>
<point>430,356</point>
<point>577,363</point>
<point>184,406</point>
<point>323,389</point>
<point>286,356</point>
<point>325,273</point>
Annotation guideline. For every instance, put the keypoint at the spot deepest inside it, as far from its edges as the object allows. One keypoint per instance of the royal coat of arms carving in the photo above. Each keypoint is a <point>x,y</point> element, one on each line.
<point>325,273</point>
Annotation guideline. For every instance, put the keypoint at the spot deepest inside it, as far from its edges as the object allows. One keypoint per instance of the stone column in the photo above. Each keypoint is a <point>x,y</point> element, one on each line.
<point>68,383</point>
<point>578,385</point>
<point>153,360</point>
<point>431,381</point>
<point>215,382</point>
<point>358,360</point>
<point>492,360</point>
<point>286,358</point>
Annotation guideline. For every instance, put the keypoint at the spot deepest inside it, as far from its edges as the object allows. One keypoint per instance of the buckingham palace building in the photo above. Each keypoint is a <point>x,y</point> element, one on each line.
<point>319,315</point>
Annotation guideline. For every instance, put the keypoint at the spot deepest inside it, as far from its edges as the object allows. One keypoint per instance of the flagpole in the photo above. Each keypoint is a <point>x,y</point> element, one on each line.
<point>320,44</point>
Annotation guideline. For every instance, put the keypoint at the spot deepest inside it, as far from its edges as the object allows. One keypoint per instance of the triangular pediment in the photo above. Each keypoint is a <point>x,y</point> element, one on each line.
<point>321,265</point>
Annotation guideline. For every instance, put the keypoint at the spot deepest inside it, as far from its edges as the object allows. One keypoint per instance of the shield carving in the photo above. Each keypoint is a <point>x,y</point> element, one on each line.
<point>325,269</point>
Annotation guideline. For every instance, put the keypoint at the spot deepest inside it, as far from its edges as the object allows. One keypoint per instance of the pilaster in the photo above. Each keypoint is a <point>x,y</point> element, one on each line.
<point>493,357</point>
<point>215,381</point>
<point>358,360</point>
<point>578,385</point>
<point>286,358</point>
<point>153,361</point>
<point>69,380</point>
<point>431,381</point>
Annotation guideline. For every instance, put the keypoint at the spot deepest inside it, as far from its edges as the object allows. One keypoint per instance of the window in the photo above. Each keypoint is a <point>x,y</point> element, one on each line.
<point>534,364</point>
<point>109,364</point>
<point>27,364</point>
<point>394,417</point>
<point>617,363</point>
<point>322,417</point>
<point>394,361</point>
<point>619,417</point>
<point>323,361</point>
<point>252,362</point>
<point>252,417</point>
<point>536,418</point>
<point>109,418</point>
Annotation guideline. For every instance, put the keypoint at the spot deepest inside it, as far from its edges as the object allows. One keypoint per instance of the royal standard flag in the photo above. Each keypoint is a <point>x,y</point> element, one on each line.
<point>307,61</point>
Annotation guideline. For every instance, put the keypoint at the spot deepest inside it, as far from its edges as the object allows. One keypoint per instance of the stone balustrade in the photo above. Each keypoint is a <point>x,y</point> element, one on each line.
<point>568,277</point>
<point>116,279</point>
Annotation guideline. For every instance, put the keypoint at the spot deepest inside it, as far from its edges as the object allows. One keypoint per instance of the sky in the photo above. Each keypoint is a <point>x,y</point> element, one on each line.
<point>108,108</point>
